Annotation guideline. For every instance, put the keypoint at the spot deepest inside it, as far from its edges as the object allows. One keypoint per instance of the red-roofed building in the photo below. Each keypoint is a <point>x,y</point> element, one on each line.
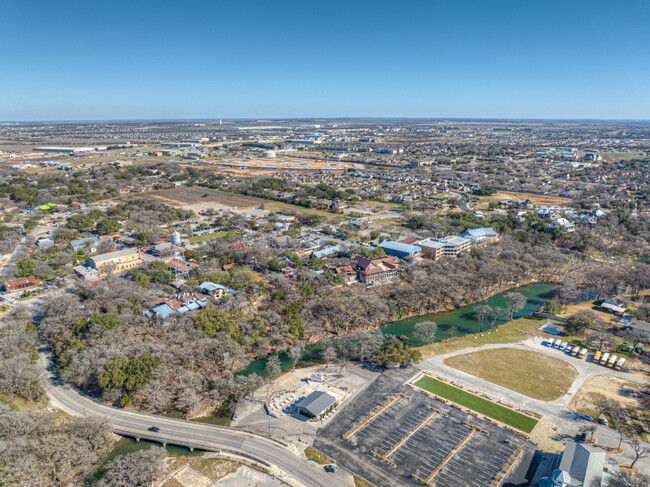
<point>22,283</point>
<point>376,271</point>
<point>237,246</point>
<point>407,240</point>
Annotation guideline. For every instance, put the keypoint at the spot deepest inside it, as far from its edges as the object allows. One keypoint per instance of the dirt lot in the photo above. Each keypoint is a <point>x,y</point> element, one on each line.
<point>197,199</point>
<point>536,199</point>
<point>623,392</point>
<point>535,375</point>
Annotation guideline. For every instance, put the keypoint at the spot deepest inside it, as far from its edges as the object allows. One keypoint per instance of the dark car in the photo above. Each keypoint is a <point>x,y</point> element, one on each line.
<point>331,468</point>
<point>154,428</point>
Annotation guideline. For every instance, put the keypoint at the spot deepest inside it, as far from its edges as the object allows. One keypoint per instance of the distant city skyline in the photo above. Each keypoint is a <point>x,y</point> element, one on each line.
<point>199,60</point>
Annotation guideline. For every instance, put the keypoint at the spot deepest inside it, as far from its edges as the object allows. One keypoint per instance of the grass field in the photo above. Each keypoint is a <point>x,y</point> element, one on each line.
<point>482,406</point>
<point>506,333</point>
<point>209,236</point>
<point>535,375</point>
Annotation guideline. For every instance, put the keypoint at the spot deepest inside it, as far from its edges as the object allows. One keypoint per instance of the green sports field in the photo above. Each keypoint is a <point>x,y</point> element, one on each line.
<point>482,406</point>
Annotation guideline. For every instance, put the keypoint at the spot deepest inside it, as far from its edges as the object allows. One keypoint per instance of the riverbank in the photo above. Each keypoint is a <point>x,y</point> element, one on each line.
<point>458,321</point>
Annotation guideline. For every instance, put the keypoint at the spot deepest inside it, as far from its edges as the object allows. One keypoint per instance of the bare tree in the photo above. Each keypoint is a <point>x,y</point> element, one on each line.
<point>328,354</point>
<point>600,340</point>
<point>482,314</point>
<point>137,468</point>
<point>639,448</point>
<point>602,405</point>
<point>295,354</point>
<point>425,331</point>
<point>515,302</point>
<point>618,424</point>
<point>453,331</point>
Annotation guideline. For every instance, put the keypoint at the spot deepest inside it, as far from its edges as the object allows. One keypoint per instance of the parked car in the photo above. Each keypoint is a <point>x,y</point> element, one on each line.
<point>586,417</point>
<point>603,421</point>
<point>331,468</point>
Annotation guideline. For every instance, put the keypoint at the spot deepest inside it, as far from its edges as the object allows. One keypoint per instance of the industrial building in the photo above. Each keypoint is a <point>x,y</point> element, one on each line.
<point>69,150</point>
<point>399,249</point>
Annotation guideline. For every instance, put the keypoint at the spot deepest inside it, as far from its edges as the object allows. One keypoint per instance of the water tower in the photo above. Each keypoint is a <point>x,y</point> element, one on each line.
<point>177,261</point>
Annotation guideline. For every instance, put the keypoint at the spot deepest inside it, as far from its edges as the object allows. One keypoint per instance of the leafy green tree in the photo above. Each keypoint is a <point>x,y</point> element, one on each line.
<point>107,321</point>
<point>377,253</point>
<point>274,264</point>
<point>95,215</point>
<point>106,226</point>
<point>212,320</point>
<point>375,234</point>
<point>127,375</point>
<point>25,267</point>
<point>396,353</point>
<point>293,320</point>
<point>552,307</point>
<point>577,324</point>
<point>79,222</point>
<point>331,276</point>
<point>415,222</point>
<point>317,263</point>
<point>242,278</point>
<point>219,277</point>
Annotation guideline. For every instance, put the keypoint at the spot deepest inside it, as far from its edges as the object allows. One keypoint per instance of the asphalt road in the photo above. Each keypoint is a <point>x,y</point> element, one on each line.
<point>294,469</point>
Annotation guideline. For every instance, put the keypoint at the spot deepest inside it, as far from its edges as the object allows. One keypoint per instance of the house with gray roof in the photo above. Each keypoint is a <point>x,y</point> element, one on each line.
<point>581,465</point>
<point>78,245</point>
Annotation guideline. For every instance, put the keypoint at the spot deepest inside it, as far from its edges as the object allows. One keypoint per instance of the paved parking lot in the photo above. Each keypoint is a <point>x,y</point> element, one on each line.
<point>414,439</point>
<point>479,448</point>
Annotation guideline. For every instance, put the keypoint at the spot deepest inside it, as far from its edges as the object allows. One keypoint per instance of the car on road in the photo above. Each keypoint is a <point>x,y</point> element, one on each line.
<point>331,468</point>
<point>154,428</point>
<point>586,417</point>
<point>603,421</point>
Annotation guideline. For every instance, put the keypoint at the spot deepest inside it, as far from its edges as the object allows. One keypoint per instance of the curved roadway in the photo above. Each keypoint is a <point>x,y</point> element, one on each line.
<point>190,434</point>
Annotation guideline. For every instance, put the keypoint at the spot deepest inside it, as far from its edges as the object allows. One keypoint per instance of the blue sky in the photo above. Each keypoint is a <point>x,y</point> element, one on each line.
<point>139,59</point>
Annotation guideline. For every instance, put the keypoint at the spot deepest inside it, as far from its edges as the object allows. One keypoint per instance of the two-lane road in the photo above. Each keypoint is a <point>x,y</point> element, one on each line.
<point>299,471</point>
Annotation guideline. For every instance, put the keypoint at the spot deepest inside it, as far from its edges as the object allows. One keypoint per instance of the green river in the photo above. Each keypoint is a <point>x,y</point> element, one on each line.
<point>461,318</point>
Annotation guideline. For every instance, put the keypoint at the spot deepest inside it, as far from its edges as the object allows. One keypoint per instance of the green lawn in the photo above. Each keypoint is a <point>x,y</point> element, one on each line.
<point>209,236</point>
<point>482,406</point>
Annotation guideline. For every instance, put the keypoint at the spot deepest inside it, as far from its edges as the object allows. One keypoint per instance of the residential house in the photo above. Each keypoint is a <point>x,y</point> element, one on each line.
<point>327,252</point>
<point>82,244</point>
<point>347,272</point>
